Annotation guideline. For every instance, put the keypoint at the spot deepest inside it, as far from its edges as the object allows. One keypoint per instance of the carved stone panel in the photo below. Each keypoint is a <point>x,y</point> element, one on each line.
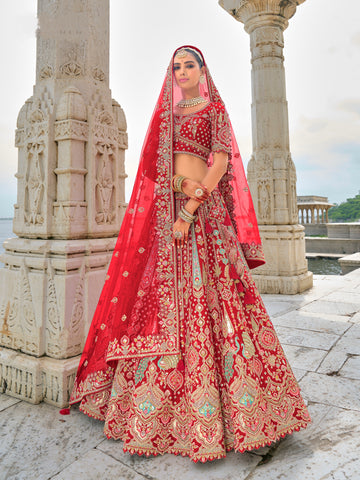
<point>35,184</point>
<point>105,184</point>
<point>19,326</point>
<point>53,324</point>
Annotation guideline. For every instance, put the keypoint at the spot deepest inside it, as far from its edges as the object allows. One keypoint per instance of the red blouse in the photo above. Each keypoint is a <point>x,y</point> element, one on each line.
<point>199,133</point>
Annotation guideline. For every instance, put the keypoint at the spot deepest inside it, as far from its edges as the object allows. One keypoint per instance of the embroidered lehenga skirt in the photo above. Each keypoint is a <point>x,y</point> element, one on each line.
<point>231,387</point>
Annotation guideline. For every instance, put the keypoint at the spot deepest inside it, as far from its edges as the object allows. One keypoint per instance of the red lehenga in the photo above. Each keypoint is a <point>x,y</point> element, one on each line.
<point>181,355</point>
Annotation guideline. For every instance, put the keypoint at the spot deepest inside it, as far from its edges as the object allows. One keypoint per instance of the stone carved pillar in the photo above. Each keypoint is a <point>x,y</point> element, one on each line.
<point>271,171</point>
<point>71,137</point>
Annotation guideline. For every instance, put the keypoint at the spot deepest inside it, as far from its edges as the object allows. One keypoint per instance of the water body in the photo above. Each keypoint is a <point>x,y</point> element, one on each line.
<point>319,266</point>
<point>324,266</point>
<point>5,233</point>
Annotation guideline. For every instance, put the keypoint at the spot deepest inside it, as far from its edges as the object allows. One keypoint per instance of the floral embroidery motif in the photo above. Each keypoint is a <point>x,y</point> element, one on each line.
<point>267,338</point>
<point>197,280</point>
<point>231,385</point>
<point>175,380</point>
<point>147,407</point>
<point>207,410</point>
<point>168,361</point>
<point>248,349</point>
<point>247,399</point>
<point>202,132</point>
<point>140,371</point>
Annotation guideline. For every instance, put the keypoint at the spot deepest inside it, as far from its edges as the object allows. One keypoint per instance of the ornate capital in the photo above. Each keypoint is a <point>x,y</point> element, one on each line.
<point>258,13</point>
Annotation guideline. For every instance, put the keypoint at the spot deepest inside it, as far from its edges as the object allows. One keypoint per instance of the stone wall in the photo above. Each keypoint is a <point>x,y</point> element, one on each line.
<point>339,246</point>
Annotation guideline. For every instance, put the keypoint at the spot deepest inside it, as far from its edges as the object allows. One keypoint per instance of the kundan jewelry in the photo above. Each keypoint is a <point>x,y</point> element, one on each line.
<point>199,192</point>
<point>181,53</point>
<point>185,51</point>
<point>178,234</point>
<point>190,102</point>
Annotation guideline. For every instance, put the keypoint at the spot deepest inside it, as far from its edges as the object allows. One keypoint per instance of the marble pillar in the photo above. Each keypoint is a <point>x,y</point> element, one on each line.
<point>271,171</point>
<point>71,138</point>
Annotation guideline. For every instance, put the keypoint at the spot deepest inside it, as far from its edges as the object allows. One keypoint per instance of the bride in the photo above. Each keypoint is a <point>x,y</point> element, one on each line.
<point>181,355</point>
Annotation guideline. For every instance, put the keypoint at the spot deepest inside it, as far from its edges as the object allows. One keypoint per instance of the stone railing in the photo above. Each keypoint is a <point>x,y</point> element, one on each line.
<point>343,230</point>
<point>342,239</point>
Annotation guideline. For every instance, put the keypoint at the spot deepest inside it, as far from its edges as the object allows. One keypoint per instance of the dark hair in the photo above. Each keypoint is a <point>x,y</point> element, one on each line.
<point>196,55</point>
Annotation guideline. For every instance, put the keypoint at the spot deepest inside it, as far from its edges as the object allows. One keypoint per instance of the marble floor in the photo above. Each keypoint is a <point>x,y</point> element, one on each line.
<point>320,332</point>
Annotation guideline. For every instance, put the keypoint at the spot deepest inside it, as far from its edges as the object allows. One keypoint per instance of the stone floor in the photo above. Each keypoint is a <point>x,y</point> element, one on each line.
<point>320,332</point>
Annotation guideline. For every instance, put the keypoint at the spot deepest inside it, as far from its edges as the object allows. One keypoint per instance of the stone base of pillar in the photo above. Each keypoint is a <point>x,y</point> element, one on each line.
<point>286,269</point>
<point>284,285</point>
<point>48,294</point>
<point>35,379</point>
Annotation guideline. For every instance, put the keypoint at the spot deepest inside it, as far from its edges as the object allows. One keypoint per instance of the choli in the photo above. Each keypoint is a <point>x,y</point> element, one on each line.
<point>199,133</point>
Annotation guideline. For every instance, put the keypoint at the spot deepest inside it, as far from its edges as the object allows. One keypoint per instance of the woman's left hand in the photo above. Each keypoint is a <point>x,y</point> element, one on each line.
<point>183,227</point>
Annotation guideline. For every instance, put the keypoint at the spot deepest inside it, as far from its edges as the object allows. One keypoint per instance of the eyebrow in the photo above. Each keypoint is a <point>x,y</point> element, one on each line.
<point>188,61</point>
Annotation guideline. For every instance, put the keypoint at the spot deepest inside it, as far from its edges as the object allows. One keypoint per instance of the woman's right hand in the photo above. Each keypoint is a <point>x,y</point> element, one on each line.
<point>189,187</point>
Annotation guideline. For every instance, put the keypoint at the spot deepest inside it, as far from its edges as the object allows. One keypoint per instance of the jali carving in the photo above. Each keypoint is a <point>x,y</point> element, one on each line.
<point>51,387</point>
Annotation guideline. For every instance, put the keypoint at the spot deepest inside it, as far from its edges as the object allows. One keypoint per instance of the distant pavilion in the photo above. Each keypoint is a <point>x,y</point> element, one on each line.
<point>313,209</point>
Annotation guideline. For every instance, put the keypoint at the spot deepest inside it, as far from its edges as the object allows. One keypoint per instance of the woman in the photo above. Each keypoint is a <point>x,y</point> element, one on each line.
<point>181,356</point>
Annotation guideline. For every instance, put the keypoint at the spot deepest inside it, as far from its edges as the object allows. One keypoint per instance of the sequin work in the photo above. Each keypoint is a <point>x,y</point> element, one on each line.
<point>181,356</point>
<point>235,389</point>
<point>202,132</point>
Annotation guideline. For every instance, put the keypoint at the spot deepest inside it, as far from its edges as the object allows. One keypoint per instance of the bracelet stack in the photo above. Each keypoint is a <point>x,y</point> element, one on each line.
<point>186,216</point>
<point>177,182</point>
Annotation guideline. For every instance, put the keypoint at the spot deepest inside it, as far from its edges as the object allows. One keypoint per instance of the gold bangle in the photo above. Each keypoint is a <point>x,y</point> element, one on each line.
<point>173,182</point>
<point>180,182</point>
<point>177,182</point>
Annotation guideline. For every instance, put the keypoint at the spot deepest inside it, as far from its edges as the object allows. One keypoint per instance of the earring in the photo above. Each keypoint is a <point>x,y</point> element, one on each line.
<point>202,79</point>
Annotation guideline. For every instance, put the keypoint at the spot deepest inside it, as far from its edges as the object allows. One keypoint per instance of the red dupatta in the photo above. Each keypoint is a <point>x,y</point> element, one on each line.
<point>137,313</point>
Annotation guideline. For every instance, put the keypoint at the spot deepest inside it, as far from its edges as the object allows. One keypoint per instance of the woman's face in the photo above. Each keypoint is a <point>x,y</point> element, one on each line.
<point>187,72</point>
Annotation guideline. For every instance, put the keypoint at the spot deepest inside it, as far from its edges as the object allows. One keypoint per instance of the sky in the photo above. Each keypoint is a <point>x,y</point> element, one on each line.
<point>322,64</point>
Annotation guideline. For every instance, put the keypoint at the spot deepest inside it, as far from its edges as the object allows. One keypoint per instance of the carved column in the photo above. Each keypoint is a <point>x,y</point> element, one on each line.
<point>71,137</point>
<point>271,171</point>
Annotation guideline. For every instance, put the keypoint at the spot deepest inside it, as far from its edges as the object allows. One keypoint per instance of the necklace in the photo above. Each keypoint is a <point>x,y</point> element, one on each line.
<point>190,102</point>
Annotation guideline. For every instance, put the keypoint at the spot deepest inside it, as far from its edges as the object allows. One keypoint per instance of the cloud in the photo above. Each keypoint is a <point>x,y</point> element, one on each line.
<point>351,105</point>
<point>355,39</point>
<point>326,152</point>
